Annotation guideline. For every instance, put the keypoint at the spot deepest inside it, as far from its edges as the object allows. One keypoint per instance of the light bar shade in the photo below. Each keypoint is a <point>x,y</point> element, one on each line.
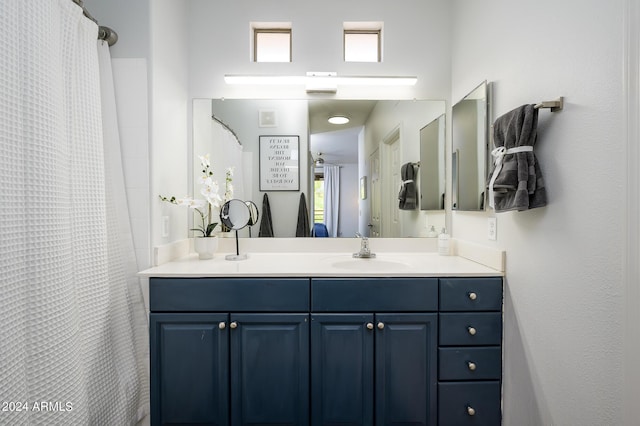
<point>321,81</point>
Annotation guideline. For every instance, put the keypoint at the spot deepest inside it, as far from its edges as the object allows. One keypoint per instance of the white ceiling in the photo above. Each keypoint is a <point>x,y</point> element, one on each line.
<point>337,143</point>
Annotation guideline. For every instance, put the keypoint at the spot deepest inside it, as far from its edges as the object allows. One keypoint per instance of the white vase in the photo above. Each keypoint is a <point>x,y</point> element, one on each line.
<point>205,247</point>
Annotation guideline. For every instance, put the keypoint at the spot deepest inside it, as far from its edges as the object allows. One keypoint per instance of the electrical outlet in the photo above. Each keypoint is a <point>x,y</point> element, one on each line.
<point>165,227</point>
<point>492,228</point>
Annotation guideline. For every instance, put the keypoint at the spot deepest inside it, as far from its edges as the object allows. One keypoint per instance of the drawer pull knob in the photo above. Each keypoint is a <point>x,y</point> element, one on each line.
<point>472,331</point>
<point>370,326</point>
<point>473,296</point>
<point>380,325</point>
<point>233,325</point>
<point>222,325</point>
<point>471,365</point>
<point>471,411</point>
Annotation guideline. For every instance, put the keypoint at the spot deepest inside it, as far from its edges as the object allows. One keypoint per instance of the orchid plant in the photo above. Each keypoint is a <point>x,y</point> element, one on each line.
<point>228,191</point>
<point>204,207</point>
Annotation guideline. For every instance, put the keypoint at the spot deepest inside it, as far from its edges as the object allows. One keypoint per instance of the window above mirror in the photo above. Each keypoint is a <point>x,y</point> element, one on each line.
<point>362,42</point>
<point>271,41</point>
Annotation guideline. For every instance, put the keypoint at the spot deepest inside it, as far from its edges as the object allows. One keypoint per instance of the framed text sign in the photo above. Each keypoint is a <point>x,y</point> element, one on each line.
<point>279,163</point>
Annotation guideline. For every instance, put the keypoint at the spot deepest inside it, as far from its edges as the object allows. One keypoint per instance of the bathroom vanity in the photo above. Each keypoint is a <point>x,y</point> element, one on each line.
<point>329,347</point>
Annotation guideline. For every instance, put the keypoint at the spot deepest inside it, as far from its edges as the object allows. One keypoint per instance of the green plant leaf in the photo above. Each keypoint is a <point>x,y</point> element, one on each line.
<point>199,230</point>
<point>210,229</point>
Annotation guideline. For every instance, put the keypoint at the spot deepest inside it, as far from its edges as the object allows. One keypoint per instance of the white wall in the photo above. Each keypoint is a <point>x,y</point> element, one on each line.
<point>220,35</point>
<point>563,319</point>
<point>170,121</point>
<point>130,83</point>
<point>130,19</point>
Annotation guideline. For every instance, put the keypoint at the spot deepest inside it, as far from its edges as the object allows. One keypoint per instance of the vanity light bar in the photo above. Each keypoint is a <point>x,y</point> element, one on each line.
<point>321,81</point>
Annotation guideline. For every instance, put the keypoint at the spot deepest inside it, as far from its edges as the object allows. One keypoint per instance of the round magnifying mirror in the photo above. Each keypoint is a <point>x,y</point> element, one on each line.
<point>253,212</point>
<point>235,214</point>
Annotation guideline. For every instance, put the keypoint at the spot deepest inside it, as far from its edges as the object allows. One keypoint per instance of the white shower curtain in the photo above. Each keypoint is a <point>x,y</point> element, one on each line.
<point>331,198</point>
<point>73,335</point>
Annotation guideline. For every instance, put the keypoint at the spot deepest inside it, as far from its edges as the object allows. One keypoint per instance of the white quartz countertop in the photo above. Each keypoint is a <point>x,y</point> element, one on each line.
<point>424,264</point>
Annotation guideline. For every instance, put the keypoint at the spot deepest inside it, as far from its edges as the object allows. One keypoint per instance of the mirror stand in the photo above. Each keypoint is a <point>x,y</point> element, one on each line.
<point>236,214</point>
<point>236,256</point>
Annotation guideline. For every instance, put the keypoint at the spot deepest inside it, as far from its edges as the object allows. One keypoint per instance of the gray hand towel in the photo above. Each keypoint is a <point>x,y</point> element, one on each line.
<point>302,229</point>
<point>518,185</point>
<point>266,226</point>
<point>408,195</point>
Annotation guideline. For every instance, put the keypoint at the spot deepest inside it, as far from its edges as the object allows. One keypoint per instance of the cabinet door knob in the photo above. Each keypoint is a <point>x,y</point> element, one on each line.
<point>471,365</point>
<point>472,331</point>
<point>222,325</point>
<point>473,296</point>
<point>471,411</point>
<point>370,325</point>
<point>233,325</point>
<point>380,325</point>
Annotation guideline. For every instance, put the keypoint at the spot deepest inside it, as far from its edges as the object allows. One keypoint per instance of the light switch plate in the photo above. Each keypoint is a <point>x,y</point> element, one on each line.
<point>164,232</point>
<point>492,228</point>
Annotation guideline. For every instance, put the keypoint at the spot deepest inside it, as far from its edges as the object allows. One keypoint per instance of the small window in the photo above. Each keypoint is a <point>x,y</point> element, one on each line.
<point>272,44</point>
<point>318,198</point>
<point>362,45</point>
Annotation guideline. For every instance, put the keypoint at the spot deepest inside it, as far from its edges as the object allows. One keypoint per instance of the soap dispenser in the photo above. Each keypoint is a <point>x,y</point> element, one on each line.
<point>432,232</point>
<point>443,243</point>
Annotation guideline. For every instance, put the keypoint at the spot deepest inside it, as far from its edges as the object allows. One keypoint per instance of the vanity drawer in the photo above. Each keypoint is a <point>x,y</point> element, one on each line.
<point>470,329</point>
<point>471,294</point>
<point>469,403</point>
<point>470,363</point>
<point>374,294</point>
<point>229,294</point>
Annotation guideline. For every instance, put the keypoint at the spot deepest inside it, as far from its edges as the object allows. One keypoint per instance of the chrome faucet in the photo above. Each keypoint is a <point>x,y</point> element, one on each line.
<point>365,251</point>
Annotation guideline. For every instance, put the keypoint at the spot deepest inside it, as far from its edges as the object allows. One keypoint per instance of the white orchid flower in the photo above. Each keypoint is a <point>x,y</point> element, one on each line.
<point>204,180</point>
<point>205,161</point>
<point>191,203</point>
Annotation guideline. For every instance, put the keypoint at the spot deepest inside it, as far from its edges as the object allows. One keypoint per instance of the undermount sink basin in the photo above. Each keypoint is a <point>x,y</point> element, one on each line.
<point>369,264</point>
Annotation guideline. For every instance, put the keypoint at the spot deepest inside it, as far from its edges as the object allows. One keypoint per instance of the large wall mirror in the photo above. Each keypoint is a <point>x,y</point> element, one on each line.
<point>432,168</point>
<point>368,153</point>
<point>469,150</point>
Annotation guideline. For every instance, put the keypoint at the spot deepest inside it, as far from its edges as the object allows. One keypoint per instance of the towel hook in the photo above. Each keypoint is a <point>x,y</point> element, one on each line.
<point>555,105</point>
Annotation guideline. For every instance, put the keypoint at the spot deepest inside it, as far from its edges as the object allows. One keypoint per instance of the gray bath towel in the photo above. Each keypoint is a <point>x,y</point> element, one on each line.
<point>516,181</point>
<point>266,226</point>
<point>408,195</point>
<point>302,229</point>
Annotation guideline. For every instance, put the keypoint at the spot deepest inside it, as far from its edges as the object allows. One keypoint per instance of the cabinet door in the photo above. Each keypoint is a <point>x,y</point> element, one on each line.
<point>406,370</point>
<point>270,369</point>
<point>342,369</point>
<point>189,369</point>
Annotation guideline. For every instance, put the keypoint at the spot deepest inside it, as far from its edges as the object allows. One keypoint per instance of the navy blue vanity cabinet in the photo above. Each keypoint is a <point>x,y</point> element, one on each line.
<point>326,351</point>
<point>270,369</point>
<point>189,369</point>
<point>470,352</point>
<point>374,351</point>
<point>229,351</point>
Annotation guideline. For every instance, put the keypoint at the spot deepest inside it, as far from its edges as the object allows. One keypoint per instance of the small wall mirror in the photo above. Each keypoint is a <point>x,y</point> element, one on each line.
<point>432,168</point>
<point>469,124</point>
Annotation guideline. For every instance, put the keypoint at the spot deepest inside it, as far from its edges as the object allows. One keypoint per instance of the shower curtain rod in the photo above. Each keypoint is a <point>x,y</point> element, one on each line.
<point>104,33</point>
<point>223,124</point>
